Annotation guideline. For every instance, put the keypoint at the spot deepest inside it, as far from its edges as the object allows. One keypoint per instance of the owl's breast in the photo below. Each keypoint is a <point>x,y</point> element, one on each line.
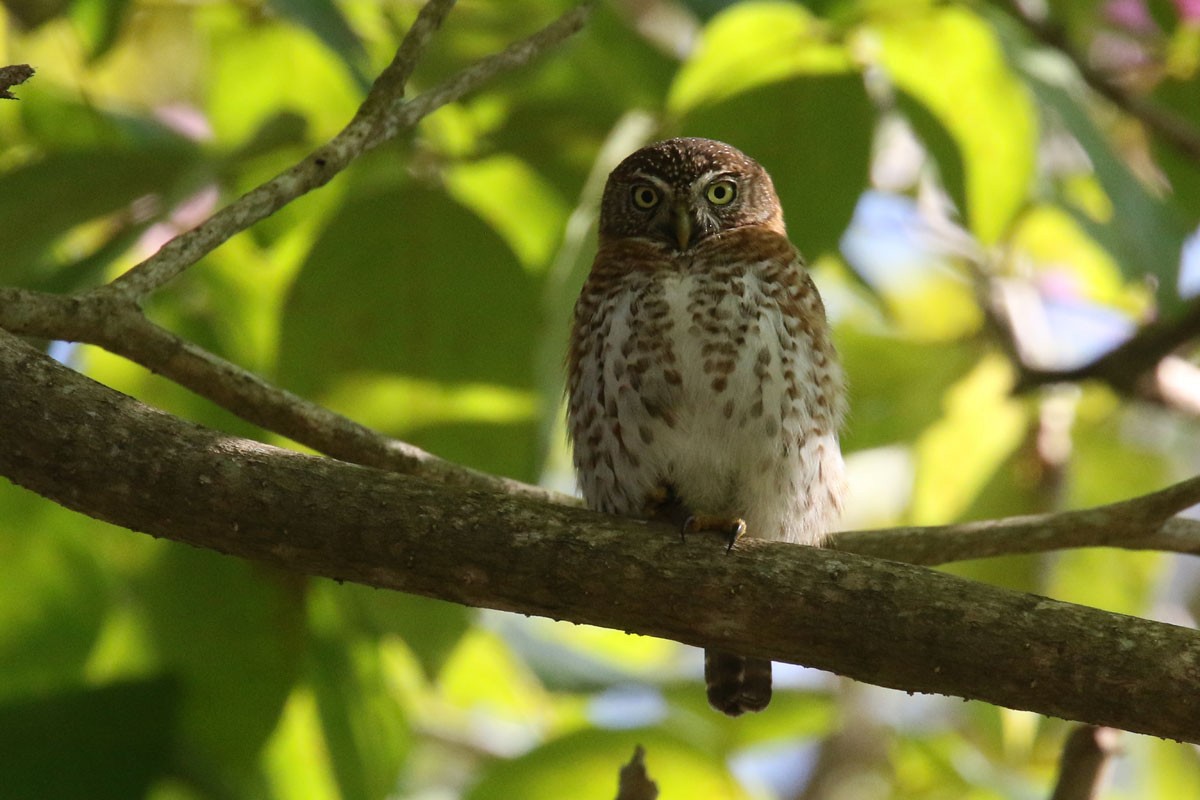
<point>719,382</point>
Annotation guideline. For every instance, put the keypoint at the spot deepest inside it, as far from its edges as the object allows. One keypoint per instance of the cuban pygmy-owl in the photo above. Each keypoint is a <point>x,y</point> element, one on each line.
<point>703,385</point>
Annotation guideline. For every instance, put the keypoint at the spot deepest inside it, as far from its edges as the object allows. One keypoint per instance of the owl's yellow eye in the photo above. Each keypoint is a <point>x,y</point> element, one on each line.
<point>721,193</point>
<point>645,196</point>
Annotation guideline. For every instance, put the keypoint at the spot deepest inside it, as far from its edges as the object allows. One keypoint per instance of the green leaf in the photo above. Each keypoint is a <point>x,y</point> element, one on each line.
<point>1144,233</point>
<point>105,742</point>
<point>980,427</point>
<point>950,60</point>
<point>815,142</point>
<point>896,386</point>
<point>326,21</point>
<point>363,723</point>
<point>1182,98</point>
<point>751,45</point>
<point>939,143</point>
<point>233,634</point>
<point>518,204</point>
<point>408,295</point>
<point>54,594</point>
<point>99,22</point>
<point>430,628</point>
<point>256,72</point>
<point>41,202</point>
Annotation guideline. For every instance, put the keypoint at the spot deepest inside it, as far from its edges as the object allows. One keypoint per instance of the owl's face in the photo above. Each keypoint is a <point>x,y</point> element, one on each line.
<point>680,192</point>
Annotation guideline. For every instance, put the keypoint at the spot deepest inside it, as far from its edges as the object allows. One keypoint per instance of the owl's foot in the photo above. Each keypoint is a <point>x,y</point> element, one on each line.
<point>663,503</point>
<point>731,528</point>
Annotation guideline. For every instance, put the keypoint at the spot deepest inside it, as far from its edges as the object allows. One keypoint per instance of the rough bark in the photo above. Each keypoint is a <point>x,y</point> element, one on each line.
<point>108,456</point>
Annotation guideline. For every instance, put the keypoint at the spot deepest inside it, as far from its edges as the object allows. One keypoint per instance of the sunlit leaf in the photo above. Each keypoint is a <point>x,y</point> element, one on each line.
<point>949,59</point>
<point>940,145</point>
<point>241,93</point>
<point>1166,769</point>
<point>753,44</point>
<point>516,202</point>
<point>431,629</point>
<point>957,455</point>
<point>1113,580</point>
<point>1056,244</point>
<point>326,21</point>
<point>296,759</point>
<point>417,286</point>
<point>362,721</point>
<point>483,675</point>
<point>896,386</point>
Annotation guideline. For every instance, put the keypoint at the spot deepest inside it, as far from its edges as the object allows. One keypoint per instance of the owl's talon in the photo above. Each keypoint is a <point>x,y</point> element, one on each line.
<point>732,528</point>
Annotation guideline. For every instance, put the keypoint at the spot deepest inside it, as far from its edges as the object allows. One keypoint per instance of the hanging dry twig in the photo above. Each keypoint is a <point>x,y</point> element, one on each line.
<point>635,783</point>
<point>1086,756</point>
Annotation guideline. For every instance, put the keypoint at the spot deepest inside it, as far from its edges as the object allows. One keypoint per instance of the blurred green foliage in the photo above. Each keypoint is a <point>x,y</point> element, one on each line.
<point>425,292</point>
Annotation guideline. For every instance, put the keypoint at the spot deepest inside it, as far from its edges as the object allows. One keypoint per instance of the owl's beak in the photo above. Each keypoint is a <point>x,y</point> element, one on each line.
<point>682,226</point>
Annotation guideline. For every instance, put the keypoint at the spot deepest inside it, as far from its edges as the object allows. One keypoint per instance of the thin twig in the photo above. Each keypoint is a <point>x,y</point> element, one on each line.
<point>1140,523</point>
<point>388,116</point>
<point>1086,754</point>
<point>13,75</point>
<point>392,82</point>
<point>1126,366</point>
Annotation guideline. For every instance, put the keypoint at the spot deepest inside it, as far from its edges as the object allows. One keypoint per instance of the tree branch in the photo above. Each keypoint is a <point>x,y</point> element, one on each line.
<point>106,455</point>
<point>1125,367</point>
<point>110,316</point>
<point>120,327</point>
<point>1142,523</point>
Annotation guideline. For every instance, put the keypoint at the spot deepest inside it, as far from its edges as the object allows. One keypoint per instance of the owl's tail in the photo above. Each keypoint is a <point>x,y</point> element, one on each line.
<point>737,684</point>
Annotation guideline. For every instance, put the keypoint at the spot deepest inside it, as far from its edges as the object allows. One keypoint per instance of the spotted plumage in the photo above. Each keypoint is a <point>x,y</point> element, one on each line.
<point>703,383</point>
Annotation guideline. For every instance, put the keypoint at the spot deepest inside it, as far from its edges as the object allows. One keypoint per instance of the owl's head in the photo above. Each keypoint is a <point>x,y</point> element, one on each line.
<point>680,192</point>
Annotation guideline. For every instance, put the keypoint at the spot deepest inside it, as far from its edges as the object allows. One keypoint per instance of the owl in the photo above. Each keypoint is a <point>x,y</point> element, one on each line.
<point>703,386</point>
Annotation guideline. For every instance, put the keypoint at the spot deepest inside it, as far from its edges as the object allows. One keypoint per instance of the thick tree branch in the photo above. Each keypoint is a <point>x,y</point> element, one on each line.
<point>1136,524</point>
<point>106,455</point>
